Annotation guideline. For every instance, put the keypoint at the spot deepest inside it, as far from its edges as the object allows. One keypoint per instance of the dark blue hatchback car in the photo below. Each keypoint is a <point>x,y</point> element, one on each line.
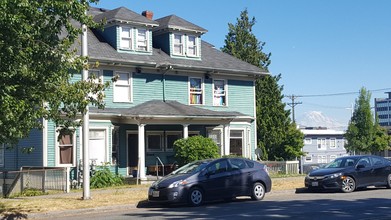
<point>351,172</point>
<point>212,179</point>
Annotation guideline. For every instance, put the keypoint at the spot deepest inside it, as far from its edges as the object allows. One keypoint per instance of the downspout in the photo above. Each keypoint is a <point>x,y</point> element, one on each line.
<point>168,68</point>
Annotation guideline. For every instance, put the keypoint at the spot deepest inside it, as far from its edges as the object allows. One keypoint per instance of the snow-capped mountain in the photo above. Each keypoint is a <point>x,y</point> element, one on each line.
<point>318,119</point>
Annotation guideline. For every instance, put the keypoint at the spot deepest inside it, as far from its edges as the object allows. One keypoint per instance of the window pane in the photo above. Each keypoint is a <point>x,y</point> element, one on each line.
<point>154,142</point>
<point>66,154</point>
<point>122,94</point>
<point>219,96</point>
<point>196,91</point>
<point>142,40</point>
<point>192,46</point>
<point>171,138</point>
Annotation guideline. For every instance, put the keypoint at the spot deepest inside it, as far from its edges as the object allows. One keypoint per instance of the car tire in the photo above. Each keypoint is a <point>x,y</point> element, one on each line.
<point>196,196</point>
<point>258,191</point>
<point>348,185</point>
<point>388,181</point>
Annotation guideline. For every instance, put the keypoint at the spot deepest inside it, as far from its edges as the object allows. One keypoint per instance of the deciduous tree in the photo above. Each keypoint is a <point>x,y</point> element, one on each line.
<point>38,58</point>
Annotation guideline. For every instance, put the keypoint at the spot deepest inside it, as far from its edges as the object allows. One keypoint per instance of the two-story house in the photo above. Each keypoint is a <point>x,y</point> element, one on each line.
<point>171,85</point>
<point>322,145</point>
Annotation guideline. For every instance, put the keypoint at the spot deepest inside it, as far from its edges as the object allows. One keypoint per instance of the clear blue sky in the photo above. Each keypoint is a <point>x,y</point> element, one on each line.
<point>318,47</point>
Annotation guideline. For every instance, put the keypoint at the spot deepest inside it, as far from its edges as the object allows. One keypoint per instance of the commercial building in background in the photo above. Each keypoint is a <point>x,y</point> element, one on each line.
<point>321,146</point>
<point>383,112</point>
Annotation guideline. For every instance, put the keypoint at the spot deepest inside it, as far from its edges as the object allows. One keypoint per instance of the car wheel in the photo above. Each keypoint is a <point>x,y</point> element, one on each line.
<point>388,181</point>
<point>348,185</point>
<point>196,196</point>
<point>258,191</point>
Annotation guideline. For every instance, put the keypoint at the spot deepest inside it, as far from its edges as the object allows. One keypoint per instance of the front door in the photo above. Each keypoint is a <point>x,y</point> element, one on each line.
<point>132,150</point>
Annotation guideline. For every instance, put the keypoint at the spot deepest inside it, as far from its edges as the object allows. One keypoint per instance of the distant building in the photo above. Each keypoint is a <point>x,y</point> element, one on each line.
<point>322,145</point>
<point>383,111</point>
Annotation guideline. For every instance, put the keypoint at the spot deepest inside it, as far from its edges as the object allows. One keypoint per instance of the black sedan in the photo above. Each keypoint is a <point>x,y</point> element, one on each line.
<point>212,179</point>
<point>351,172</point>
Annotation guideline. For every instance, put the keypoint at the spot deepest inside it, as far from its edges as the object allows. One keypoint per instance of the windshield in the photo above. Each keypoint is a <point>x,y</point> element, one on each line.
<point>341,162</point>
<point>191,167</point>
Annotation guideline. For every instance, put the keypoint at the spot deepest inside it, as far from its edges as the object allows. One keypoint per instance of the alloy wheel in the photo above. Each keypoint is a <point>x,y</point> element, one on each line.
<point>348,184</point>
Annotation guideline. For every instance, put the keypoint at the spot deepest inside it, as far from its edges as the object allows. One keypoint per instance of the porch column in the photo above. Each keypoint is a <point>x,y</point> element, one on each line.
<point>185,130</point>
<point>226,140</point>
<point>141,151</point>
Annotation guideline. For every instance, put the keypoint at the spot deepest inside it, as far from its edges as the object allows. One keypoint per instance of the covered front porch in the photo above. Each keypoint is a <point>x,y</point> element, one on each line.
<point>146,133</point>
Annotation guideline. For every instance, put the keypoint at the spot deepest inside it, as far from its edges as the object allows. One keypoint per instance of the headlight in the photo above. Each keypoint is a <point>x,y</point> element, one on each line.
<point>177,183</point>
<point>334,175</point>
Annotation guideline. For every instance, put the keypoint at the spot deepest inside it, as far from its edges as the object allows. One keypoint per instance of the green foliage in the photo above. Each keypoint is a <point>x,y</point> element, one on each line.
<point>103,177</point>
<point>38,42</point>
<point>241,43</point>
<point>30,192</point>
<point>195,148</point>
<point>273,120</point>
<point>363,133</point>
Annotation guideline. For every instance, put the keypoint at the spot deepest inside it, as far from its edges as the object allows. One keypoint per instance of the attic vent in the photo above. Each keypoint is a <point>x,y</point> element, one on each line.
<point>148,14</point>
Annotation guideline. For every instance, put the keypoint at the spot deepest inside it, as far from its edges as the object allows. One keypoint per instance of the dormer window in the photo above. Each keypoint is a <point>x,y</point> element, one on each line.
<point>192,49</point>
<point>178,44</point>
<point>142,40</point>
<point>126,38</point>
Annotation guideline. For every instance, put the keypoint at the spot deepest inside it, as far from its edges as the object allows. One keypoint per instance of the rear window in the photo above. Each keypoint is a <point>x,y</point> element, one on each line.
<point>237,164</point>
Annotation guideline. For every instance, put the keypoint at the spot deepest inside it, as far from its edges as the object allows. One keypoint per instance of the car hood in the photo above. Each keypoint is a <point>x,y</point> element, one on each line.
<point>326,171</point>
<point>171,178</point>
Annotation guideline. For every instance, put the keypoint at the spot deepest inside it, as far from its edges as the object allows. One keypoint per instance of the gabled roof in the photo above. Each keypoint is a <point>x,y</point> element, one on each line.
<point>168,109</point>
<point>174,22</point>
<point>124,15</point>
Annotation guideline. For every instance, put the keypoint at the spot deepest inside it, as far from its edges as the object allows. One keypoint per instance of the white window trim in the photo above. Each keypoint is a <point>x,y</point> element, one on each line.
<point>218,129</point>
<point>202,90</point>
<point>308,158</point>
<point>335,143</point>
<point>179,133</point>
<point>243,138</point>
<point>131,38</point>
<point>57,151</point>
<point>197,50</point>
<point>107,157</point>
<point>146,40</point>
<point>130,83</point>
<point>320,145</point>
<point>308,141</point>
<point>332,157</point>
<point>182,44</point>
<point>160,133</point>
<point>225,92</point>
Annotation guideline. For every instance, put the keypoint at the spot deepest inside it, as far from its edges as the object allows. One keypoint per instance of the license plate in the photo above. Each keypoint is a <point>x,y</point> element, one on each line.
<point>155,194</point>
<point>315,184</point>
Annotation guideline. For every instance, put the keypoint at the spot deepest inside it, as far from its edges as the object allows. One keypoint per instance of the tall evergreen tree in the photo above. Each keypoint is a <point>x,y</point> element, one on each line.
<point>277,136</point>
<point>364,135</point>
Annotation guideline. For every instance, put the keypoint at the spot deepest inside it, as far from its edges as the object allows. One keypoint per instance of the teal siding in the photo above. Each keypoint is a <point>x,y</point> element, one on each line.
<point>241,96</point>
<point>174,87</point>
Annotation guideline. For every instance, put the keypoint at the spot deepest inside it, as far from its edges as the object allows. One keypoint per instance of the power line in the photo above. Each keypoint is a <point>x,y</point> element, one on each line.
<point>342,93</point>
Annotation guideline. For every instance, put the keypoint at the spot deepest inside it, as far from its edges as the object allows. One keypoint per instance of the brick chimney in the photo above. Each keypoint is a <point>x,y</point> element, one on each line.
<point>148,14</point>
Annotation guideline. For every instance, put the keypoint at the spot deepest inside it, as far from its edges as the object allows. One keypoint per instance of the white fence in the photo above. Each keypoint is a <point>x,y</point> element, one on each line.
<point>282,167</point>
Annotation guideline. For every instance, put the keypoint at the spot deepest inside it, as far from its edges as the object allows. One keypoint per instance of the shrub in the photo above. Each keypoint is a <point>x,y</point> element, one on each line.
<point>195,148</point>
<point>103,177</point>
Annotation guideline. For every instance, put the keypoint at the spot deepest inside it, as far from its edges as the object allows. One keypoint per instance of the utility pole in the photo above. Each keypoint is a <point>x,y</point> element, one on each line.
<point>85,127</point>
<point>292,105</point>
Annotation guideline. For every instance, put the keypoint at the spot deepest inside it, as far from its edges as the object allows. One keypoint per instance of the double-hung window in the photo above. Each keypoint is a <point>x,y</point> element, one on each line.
<point>123,87</point>
<point>219,93</point>
<point>333,143</point>
<point>178,44</point>
<point>321,144</point>
<point>154,141</point>
<point>192,49</point>
<point>142,40</point>
<point>126,38</point>
<point>66,147</point>
<point>195,91</point>
<point>171,137</point>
